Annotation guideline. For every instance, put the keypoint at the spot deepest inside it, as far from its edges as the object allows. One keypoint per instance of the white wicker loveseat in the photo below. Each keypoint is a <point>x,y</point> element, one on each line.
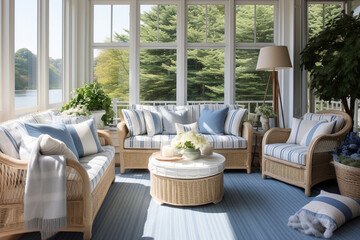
<point>88,181</point>
<point>304,166</point>
<point>135,151</point>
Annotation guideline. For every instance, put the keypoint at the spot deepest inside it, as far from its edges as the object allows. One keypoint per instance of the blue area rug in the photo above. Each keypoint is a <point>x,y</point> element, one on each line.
<point>252,208</point>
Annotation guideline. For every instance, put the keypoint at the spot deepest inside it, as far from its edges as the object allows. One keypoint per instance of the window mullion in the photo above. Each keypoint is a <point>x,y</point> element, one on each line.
<point>255,23</point>
<point>43,55</point>
<point>111,23</point>
<point>206,23</point>
<point>181,54</point>
<point>157,32</point>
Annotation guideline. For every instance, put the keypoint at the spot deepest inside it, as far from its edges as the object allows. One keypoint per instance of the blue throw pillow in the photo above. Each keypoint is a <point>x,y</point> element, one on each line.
<point>57,130</point>
<point>85,137</point>
<point>212,122</point>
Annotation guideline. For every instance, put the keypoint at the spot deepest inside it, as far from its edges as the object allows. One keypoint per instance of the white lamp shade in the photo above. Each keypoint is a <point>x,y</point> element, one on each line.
<point>273,58</point>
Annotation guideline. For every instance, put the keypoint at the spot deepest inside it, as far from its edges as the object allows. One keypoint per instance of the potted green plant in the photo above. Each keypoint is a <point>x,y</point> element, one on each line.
<point>94,98</point>
<point>266,112</point>
<point>347,165</point>
<point>332,58</point>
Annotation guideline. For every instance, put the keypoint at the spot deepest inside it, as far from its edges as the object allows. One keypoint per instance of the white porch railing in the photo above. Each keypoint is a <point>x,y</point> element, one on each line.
<point>118,105</point>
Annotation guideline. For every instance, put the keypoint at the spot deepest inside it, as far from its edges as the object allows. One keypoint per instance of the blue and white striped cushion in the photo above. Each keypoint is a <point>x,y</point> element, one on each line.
<point>181,128</point>
<point>319,129</point>
<point>339,120</point>
<point>147,142</point>
<point>135,121</point>
<point>234,120</point>
<point>324,214</point>
<point>96,164</point>
<point>85,137</point>
<point>289,152</point>
<point>10,138</point>
<point>154,142</point>
<point>214,107</point>
<point>153,121</point>
<point>298,129</point>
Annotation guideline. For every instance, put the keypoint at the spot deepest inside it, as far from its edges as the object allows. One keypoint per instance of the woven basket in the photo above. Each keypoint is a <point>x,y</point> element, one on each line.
<point>348,179</point>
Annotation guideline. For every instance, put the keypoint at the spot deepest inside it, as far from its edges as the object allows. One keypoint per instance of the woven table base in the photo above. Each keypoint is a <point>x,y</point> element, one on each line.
<point>187,192</point>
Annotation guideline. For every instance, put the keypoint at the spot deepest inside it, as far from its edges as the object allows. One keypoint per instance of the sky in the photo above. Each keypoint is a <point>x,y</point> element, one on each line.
<point>26,26</point>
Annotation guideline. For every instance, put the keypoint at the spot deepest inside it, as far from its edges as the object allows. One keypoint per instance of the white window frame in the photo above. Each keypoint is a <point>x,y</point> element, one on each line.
<point>8,66</point>
<point>181,45</point>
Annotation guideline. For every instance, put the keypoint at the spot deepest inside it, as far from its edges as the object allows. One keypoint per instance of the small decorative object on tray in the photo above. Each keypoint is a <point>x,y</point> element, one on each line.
<point>207,149</point>
<point>158,156</point>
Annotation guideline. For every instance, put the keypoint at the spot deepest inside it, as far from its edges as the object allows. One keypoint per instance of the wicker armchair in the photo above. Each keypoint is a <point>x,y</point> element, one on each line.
<point>82,205</point>
<point>317,166</point>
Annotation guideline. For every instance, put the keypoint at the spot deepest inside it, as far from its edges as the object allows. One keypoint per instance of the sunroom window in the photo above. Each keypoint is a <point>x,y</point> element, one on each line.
<point>254,29</point>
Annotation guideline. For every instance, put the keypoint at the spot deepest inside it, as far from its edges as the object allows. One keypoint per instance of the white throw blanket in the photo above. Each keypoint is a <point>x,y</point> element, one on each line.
<point>45,193</point>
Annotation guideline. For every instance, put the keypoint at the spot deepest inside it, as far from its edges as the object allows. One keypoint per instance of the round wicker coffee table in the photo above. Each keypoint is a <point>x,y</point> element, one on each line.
<point>187,182</point>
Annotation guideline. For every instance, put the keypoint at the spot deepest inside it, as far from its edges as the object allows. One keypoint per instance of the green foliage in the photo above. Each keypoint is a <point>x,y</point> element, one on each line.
<point>333,61</point>
<point>349,161</point>
<point>266,111</point>
<point>94,98</point>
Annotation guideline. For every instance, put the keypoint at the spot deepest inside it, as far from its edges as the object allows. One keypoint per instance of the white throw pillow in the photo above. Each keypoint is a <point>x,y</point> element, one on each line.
<point>339,120</point>
<point>48,146</point>
<point>181,128</point>
<point>319,129</point>
<point>135,121</point>
<point>153,121</point>
<point>298,130</point>
<point>234,120</point>
<point>324,214</point>
<point>171,117</point>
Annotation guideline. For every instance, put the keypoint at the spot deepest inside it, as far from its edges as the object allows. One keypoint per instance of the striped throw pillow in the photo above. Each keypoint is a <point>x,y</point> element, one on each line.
<point>181,128</point>
<point>135,121</point>
<point>10,138</point>
<point>319,129</point>
<point>85,138</point>
<point>339,120</point>
<point>234,120</point>
<point>298,129</point>
<point>153,122</point>
<point>324,214</point>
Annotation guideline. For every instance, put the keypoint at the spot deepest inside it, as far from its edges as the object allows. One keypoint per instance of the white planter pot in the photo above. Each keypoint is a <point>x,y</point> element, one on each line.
<point>264,123</point>
<point>97,117</point>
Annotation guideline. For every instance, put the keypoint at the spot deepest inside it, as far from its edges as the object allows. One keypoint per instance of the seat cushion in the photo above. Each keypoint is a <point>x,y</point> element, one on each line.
<point>96,164</point>
<point>154,142</point>
<point>289,152</point>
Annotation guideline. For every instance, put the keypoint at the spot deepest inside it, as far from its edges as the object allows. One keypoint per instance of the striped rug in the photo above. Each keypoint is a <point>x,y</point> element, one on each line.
<point>252,208</point>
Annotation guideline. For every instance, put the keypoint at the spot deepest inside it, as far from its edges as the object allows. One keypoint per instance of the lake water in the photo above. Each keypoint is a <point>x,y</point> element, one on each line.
<point>28,98</point>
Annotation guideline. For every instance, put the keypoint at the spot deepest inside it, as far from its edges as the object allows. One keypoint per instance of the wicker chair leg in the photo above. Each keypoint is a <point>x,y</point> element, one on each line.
<point>263,176</point>
<point>248,170</point>
<point>122,169</point>
<point>308,191</point>
<point>87,233</point>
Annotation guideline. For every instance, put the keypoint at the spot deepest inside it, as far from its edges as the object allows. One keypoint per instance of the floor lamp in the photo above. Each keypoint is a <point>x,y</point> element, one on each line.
<point>272,59</point>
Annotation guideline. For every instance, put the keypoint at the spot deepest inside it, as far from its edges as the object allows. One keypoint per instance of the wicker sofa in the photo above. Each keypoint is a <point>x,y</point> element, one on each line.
<point>316,167</point>
<point>87,185</point>
<point>133,157</point>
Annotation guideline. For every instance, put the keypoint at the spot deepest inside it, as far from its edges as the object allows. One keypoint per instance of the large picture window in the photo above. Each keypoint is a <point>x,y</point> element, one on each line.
<point>25,53</point>
<point>163,44</point>
<point>111,49</point>
<point>254,29</point>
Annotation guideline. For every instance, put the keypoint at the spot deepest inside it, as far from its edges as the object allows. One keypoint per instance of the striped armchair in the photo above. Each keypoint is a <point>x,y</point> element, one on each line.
<point>302,166</point>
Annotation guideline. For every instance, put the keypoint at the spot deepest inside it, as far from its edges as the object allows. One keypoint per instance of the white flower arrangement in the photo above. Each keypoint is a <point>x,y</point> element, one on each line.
<point>79,110</point>
<point>188,140</point>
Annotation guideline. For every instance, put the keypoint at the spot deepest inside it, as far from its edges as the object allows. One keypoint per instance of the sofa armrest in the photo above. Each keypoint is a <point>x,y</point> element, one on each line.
<point>106,136</point>
<point>13,178</point>
<point>276,135</point>
<point>247,134</point>
<point>122,132</point>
